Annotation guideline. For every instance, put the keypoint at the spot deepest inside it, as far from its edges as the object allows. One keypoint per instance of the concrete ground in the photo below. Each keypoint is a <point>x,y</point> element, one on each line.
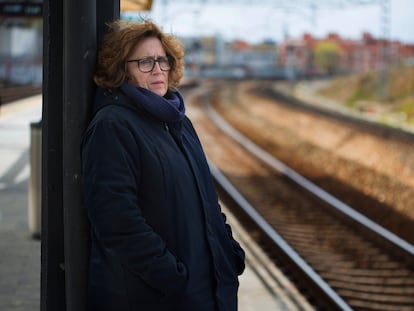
<point>19,252</point>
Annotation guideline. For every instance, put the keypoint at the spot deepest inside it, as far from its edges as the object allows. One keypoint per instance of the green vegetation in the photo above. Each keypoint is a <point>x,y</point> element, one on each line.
<point>327,56</point>
<point>389,94</point>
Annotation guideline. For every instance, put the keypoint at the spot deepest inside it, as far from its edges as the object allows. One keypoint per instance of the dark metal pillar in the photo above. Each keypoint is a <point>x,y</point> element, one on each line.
<point>79,46</point>
<point>72,29</point>
<point>52,295</point>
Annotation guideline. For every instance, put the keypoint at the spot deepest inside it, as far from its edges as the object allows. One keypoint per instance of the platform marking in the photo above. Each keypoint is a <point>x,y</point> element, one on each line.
<point>22,175</point>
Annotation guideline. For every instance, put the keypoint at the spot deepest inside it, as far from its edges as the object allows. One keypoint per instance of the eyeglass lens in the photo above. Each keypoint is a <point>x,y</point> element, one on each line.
<point>148,64</point>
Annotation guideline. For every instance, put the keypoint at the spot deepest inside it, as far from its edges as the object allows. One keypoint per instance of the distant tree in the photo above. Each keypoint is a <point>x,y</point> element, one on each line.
<point>327,56</point>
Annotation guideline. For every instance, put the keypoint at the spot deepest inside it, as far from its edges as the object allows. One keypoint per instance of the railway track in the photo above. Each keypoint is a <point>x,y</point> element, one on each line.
<point>10,94</point>
<point>369,168</point>
<point>338,257</point>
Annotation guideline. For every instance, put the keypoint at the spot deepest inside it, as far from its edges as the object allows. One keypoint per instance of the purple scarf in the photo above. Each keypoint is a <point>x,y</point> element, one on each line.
<point>167,108</point>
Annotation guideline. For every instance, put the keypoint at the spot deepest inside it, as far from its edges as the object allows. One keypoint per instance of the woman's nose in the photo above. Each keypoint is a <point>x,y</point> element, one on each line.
<point>156,68</point>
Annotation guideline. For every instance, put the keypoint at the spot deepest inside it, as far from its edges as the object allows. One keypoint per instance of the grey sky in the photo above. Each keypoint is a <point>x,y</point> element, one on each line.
<point>257,22</point>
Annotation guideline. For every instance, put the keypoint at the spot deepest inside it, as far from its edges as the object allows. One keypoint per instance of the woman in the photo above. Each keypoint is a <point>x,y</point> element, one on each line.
<point>159,240</point>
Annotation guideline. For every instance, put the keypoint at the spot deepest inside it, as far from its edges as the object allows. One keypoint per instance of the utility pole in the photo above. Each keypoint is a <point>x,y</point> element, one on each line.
<point>383,75</point>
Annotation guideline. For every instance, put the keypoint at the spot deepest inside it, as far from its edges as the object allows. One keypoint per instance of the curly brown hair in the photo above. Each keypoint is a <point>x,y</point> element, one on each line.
<point>119,43</point>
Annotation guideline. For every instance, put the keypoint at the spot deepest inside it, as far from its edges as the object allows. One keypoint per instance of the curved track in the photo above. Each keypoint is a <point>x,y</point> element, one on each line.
<point>369,168</point>
<point>344,261</point>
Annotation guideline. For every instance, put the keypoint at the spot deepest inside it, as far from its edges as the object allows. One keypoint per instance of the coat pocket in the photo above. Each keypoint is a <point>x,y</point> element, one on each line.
<point>141,294</point>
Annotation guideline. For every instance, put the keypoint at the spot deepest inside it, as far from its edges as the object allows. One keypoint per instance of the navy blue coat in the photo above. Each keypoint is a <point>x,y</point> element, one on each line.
<point>159,240</point>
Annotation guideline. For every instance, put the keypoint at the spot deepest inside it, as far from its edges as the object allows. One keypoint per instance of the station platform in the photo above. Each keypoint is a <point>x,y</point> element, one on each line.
<point>20,252</point>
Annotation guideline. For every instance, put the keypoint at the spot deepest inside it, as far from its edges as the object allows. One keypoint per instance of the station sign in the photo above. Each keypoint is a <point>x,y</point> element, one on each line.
<point>21,9</point>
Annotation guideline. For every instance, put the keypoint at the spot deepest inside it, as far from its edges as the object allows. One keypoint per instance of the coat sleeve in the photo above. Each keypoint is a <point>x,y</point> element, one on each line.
<point>110,177</point>
<point>238,250</point>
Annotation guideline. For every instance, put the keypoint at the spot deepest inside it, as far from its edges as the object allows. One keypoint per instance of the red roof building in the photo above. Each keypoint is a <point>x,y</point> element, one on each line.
<point>365,54</point>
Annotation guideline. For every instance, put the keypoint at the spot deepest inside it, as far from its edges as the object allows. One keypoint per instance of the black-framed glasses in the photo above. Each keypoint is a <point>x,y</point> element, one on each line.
<point>147,64</point>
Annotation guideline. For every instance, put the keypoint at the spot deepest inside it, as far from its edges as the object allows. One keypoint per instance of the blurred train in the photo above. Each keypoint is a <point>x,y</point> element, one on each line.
<point>213,57</point>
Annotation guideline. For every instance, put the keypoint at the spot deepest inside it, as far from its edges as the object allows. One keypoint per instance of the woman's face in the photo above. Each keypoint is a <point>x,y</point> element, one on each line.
<point>156,80</point>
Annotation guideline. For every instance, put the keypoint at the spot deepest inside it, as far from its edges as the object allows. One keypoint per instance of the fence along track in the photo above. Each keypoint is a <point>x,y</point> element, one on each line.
<point>360,271</point>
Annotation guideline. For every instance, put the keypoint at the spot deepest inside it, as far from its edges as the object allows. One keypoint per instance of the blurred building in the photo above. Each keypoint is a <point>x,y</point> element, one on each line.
<point>21,51</point>
<point>368,53</point>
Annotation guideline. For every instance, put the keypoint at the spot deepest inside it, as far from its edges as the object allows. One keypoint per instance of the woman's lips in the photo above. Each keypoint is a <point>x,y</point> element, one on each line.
<point>157,82</point>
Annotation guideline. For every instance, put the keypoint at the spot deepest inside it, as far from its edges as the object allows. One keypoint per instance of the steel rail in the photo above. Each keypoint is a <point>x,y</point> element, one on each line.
<point>340,206</point>
<point>334,299</point>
